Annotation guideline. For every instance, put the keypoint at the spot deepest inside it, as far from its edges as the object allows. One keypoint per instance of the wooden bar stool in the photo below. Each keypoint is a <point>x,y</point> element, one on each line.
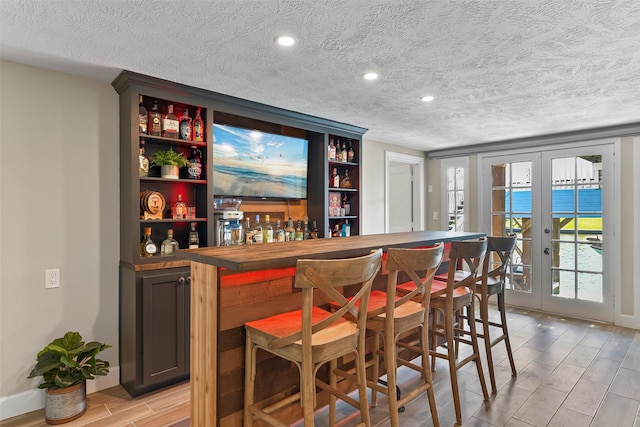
<point>492,282</point>
<point>312,336</point>
<point>448,300</point>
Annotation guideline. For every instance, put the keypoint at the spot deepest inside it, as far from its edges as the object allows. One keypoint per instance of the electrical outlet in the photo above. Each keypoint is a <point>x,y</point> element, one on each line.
<point>52,278</point>
<point>435,215</point>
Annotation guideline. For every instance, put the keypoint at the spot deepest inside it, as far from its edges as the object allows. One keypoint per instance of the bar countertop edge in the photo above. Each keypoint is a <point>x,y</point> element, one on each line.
<point>285,254</point>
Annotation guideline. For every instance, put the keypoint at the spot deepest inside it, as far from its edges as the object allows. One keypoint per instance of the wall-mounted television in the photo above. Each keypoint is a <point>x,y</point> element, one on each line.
<point>253,164</point>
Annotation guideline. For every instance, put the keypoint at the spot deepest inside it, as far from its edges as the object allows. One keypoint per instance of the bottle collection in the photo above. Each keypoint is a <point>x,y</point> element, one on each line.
<point>339,205</point>
<point>154,122</point>
<point>265,232</point>
<point>338,150</point>
<point>169,246</point>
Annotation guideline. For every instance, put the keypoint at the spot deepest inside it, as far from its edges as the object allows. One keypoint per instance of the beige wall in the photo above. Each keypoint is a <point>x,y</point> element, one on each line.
<point>59,208</point>
<point>373,175</point>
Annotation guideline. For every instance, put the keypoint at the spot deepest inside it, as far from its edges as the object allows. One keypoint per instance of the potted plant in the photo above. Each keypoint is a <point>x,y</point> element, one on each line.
<point>170,163</point>
<point>65,364</point>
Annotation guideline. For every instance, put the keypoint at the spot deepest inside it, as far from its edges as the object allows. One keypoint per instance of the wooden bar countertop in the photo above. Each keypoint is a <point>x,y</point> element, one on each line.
<point>285,254</point>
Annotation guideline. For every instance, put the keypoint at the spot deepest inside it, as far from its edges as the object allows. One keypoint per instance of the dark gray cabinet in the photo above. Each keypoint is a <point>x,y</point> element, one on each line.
<point>155,330</point>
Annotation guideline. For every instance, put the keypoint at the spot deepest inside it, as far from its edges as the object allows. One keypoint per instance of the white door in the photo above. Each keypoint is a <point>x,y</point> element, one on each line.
<point>558,205</point>
<point>401,198</point>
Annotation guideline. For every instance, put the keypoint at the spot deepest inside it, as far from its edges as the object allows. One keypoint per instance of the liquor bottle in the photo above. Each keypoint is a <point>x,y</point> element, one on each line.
<point>248,233</point>
<point>257,231</point>
<point>299,235</point>
<point>279,232</point>
<point>147,247</point>
<point>345,182</point>
<point>334,181</point>
<point>290,232</point>
<point>170,124</point>
<point>305,231</point>
<point>314,234</point>
<point>235,233</point>
<point>169,245</point>
<point>267,230</point>
<point>336,231</point>
<point>194,169</point>
<point>346,205</point>
<point>185,126</point>
<point>332,151</point>
<point>350,154</point>
<point>179,209</point>
<point>344,154</point>
<point>194,239</point>
<point>198,127</point>
<point>143,162</point>
<point>346,228</point>
<point>143,116</point>
<point>154,126</point>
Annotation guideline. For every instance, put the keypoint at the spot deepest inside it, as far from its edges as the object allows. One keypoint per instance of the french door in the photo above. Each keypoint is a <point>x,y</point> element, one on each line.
<point>558,203</point>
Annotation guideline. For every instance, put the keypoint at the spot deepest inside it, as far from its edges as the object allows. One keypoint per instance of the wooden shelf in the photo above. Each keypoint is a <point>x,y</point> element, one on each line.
<point>172,141</point>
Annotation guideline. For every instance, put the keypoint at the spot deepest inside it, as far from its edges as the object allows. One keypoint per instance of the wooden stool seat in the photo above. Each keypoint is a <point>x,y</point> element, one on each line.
<point>336,336</point>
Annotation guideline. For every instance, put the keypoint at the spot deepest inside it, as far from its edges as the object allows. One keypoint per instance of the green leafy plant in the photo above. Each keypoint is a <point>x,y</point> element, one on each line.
<point>169,158</point>
<point>68,361</point>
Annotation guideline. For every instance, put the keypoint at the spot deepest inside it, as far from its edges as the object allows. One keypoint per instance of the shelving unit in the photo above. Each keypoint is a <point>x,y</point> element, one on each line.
<point>149,286</point>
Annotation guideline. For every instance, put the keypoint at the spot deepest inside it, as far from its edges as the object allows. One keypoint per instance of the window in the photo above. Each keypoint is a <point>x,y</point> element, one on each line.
<point>454,181</point>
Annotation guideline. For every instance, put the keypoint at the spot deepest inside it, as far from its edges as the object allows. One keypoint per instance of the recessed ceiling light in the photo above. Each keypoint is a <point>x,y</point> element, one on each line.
<point>286,41</point>
<point>427,98</point>
<point>370,76</point>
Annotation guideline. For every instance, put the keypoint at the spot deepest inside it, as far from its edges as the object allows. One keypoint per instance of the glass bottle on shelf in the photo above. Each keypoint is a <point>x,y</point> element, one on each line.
<point>267,230</point>
<point>290,232</point>
<point>169,245</point>
<point>143,116</point>
<point>248,233</point>
<point>143,162</point>
<point>305,231</point>
<point>350,154</point>
<point>299,235</point>
<point>334,181</point>
<point>154,126</point>
<point>343,153</point>
<point>346,205</point>
<point>332,151</point>
<point>179,209</point>
<point>147,247</point>
<point>194,239</point>
<point>235,233</point>
<point>346,228</point>
<point>198,127</point>
<point>257,230</point>
<point>279,232</point>
<point>336,231</point>
<point>345,182</point>
<point>170,124</point>
<point>314,234</point>
<point>194,169</point>
<point>185,126</point>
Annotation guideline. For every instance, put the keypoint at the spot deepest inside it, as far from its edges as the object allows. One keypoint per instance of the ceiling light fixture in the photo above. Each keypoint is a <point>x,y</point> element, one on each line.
<point>286,41</point>
<point>427,98</point>
<point>370,76</point>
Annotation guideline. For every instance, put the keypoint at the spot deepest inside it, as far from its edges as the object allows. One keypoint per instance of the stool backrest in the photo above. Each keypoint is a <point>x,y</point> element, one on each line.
<point>467,254</point>
<point>411,262</point>
<point>498,247</point>
<point>326,276</point>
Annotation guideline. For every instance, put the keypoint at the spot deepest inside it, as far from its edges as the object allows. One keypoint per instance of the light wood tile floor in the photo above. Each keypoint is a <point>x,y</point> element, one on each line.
<point>570,373</point>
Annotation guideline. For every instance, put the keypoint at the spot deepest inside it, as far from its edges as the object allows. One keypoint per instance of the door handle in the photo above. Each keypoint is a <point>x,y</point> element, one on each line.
<point>546,251</point>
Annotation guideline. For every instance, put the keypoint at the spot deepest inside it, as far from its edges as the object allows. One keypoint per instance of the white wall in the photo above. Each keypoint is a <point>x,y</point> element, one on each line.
<point>59,208</point>
<point>373,160</point>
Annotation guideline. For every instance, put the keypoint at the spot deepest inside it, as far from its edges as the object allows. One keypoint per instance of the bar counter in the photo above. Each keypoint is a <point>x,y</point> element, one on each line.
<point>232,285</point>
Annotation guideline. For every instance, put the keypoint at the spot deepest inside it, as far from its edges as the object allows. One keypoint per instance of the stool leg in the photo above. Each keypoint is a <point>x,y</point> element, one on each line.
<point>361,377</point>
<point>249,380</point>
<point>449,335</point>
<point>505,331</point>
<point>390,355</point>
<point>308,389</point>
<point>426,373</point>
<point>376,366</point>
<point>333,365</point>
<point>484,316</point>
<point>476,351</point>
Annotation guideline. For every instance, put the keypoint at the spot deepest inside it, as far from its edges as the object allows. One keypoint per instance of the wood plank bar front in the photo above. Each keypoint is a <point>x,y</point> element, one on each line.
<point>210,265</point>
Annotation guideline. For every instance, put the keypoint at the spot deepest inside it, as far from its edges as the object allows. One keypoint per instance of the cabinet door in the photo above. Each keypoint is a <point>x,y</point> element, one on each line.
<point>163,327</point>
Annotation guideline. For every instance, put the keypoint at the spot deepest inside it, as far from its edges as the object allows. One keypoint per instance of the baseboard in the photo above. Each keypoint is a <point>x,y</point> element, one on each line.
<point>32,400</point>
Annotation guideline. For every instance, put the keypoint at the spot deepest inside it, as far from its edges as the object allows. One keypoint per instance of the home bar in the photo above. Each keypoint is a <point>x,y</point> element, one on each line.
<point>233,285</point>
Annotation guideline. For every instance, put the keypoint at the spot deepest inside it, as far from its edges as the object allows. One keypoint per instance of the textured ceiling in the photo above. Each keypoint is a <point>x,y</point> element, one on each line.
<point>498,69</point>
